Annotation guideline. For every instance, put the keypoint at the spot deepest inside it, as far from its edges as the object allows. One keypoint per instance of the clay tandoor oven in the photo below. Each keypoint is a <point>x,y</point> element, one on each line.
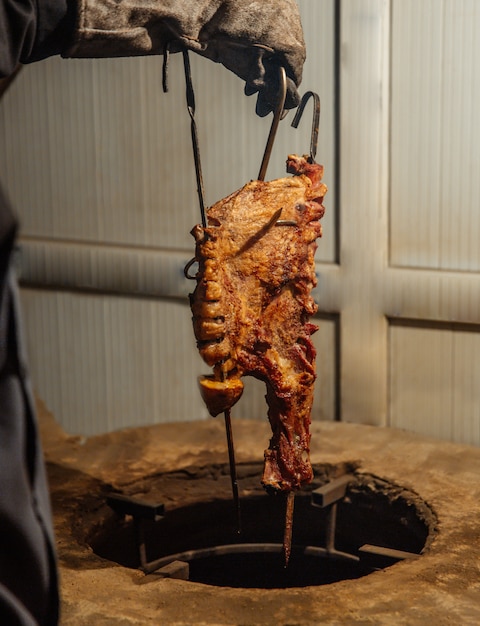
<point>389,532</point>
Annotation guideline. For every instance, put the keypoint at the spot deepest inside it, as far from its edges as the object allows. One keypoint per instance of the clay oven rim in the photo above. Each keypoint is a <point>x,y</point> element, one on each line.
<point>442,586</point>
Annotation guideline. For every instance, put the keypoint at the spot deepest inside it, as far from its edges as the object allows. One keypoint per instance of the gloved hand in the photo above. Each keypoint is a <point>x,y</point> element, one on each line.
<point>251,38</point>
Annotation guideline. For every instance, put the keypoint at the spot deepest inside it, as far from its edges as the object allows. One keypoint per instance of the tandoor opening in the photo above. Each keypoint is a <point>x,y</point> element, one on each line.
<point>346,525</point>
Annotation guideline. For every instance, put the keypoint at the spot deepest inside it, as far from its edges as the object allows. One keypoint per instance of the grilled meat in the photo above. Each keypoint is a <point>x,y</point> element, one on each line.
<point>252,305</point>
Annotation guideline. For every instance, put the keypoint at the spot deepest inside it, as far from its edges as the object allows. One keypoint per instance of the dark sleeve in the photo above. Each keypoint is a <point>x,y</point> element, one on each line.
<point>31,30</point>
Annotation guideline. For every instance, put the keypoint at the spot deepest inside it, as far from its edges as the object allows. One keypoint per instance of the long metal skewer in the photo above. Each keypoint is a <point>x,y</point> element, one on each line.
<point>193,128</point>
<point>287,536</point>
<point>201,195</point>
<point>278,113</point>
<point>233,468</point>
<point>277,116</point>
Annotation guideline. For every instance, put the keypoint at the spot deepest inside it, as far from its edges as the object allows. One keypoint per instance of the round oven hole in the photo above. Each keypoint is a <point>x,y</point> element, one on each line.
<point>200,536</point>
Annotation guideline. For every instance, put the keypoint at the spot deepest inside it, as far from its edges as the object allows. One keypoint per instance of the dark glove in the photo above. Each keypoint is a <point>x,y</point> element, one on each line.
<point>250,38</point>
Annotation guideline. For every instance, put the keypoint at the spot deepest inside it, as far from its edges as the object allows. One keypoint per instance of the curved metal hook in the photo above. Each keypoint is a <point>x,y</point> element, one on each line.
<point>315,122</point>
<point>187,268</point>
<point>277,116</point>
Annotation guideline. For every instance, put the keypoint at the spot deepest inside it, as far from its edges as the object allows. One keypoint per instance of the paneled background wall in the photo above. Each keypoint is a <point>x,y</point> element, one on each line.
<point>98,162</point>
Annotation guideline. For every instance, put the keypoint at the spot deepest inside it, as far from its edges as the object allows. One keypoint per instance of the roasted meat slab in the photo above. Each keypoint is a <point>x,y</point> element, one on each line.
<point>252,305</point>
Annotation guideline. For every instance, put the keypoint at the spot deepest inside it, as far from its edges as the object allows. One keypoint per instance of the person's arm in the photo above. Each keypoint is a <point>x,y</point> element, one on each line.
<point>31,30</point>
<point>249,37</point>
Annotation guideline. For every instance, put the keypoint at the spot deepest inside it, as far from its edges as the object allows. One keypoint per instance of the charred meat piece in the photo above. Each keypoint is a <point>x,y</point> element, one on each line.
<point>252,305</point>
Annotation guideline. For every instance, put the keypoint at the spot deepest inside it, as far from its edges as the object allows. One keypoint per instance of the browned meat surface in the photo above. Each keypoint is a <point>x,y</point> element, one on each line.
<point>252,305</point>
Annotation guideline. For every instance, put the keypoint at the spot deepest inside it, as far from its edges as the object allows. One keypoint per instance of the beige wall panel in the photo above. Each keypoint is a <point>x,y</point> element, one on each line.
<point>325,340</point>
<point>363,221</point>
<point>435,134</point>
<point>433,381</point>
<point>466,387</point>
<point>102,363</point>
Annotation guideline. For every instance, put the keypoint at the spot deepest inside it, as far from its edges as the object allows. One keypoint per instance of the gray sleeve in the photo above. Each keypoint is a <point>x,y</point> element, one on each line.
<point>250,38</point>
<point>31,30</point>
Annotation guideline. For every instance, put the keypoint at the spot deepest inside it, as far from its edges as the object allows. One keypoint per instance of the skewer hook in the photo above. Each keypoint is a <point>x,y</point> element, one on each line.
<point>315,121</point>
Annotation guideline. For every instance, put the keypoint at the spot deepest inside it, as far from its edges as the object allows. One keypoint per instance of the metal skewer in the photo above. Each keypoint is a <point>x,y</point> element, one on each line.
<point>277,116</point>
<point>193,128</point>
<point>233,468</point>
<point>201,194</point>
<point>315,120</point>
<point>313,135</point>
<point>287,536</point>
